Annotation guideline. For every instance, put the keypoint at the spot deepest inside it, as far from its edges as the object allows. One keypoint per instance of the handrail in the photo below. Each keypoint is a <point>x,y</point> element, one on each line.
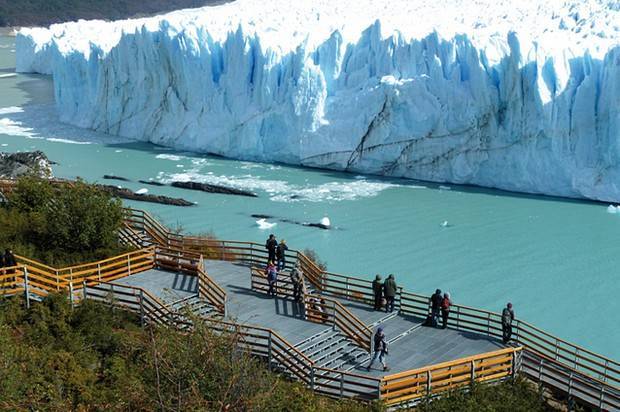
<point>414,384</point>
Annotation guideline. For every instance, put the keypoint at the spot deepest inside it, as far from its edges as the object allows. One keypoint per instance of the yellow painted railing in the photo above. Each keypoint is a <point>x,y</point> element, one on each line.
<point>432,380</point>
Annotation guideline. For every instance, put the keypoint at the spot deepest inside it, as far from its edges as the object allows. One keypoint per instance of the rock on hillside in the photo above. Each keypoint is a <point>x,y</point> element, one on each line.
<point>14,165</point>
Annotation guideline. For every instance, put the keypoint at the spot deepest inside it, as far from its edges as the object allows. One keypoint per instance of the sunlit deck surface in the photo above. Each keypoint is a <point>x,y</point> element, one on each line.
<point>419,346</point>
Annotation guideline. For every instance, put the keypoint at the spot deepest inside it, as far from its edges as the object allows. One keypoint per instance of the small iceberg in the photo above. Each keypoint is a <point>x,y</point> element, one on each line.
<point>445,224</point>
<point>326,222</point>
<point>263,224</point>
<point>613,209</point>
<point>142,191</point>
<point>445,188</point>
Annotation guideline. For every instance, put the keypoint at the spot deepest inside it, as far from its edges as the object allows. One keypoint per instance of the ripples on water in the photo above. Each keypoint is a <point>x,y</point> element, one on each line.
<point>556,260</point>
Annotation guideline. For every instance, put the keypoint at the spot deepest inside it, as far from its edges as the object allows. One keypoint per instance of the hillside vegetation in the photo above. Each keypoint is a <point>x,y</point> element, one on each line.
<point>46,12</point>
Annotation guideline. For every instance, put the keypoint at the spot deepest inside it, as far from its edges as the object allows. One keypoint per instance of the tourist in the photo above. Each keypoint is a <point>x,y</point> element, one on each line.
<point>380,349</point>
<point>377,289</point>
<point>508,315</point>
<point>445,309</point>
<point>9,260</point>
<point>281,254</point>
<point>389,290</point>
<point>272,277</point>
<point>297,281</point>
<point>436,301</point>
<point>271,245</point>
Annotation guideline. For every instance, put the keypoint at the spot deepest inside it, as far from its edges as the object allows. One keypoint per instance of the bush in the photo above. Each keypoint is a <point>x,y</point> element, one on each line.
<point>94,358</point>
<point>508,396</point>
<point>61,224</point>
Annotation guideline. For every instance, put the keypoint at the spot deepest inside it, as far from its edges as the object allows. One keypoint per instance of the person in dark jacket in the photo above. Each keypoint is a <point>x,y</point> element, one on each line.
<point>9,260</point>
<point>436,301</point>
<point>281,254</point>
<point>389,290</point>
<point>508,315</point>
<point>445,309</point>
<point>380,349</point>
<point>271,245</point>
<point>377,290</point>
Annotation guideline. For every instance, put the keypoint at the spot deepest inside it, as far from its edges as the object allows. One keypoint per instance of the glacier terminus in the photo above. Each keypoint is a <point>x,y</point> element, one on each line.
<point>521,96</point>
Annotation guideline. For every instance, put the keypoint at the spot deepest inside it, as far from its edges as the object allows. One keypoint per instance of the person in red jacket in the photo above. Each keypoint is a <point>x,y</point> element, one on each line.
<point>445,309</point>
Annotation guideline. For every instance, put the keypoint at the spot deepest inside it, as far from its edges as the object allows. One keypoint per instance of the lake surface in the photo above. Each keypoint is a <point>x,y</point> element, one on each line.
<point>556,260</point>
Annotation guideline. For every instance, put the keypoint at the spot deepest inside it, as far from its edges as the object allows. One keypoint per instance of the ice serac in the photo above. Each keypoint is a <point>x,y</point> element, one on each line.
<point>522,96</point>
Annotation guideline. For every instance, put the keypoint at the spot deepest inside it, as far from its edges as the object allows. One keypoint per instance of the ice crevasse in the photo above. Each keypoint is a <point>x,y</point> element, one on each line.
<point>523,96</point>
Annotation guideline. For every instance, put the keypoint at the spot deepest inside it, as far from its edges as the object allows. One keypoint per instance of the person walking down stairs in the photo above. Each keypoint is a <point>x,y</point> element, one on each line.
<point>380,349</point>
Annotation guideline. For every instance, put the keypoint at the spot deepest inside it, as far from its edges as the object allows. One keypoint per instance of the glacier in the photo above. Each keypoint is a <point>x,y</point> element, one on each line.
<point>521,96</point>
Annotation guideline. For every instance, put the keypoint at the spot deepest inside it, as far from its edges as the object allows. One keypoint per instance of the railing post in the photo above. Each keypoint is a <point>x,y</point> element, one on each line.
<point>26,287</point>
<point>269,352</point>
<point>428,382</point>
<point>312,377</point>
<point>400,299</point>
<point>473,371</point>
<point>84,290</point>
<point>99,271</point>
<point>600,400</point>
<point>141,308</point>
<point>57,281</point>
<point>128,265</point>
<point>341,384</point>
<point>71,294</point>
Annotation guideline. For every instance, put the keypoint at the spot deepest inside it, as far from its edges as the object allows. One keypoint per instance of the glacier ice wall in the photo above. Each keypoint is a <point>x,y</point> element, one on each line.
<point>503,110</point>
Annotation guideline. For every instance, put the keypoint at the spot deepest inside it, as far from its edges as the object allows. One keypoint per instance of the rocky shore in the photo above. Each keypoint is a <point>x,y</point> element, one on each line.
<point>15,165</point>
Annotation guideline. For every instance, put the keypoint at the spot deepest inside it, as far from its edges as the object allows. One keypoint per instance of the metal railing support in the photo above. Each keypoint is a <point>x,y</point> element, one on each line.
<point>71,295</point>
<point>26,287</point>
<point>428,382</point>
<point>128,265</point>
<point>99,271</point>
<point>341,384</point>
<point>312,377</point>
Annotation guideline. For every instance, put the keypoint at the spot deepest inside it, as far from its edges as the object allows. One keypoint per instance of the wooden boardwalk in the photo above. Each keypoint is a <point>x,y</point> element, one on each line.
<point>411,344</point>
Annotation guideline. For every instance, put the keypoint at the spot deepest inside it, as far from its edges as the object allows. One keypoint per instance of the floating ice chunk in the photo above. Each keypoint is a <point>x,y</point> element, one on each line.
<point>264,225</point>
<point>445,224</point>
<point>326,222</point>
<point>174,158</point>
<point>613,209</point>
<point>142,191</point>
<point>3,76</point>
<point>445,188</point>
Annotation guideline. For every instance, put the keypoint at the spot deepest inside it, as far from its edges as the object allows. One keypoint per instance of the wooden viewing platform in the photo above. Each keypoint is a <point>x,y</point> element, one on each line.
<point>325,340</point>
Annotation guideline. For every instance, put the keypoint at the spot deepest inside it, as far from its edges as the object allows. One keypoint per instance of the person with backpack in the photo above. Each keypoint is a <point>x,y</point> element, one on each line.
<point>272,277</point>
<point>377,290</point>
<point>508,315</point>
<point>271,245</point>
<point>436,301</point>
<point>389,290</point>
<point>297,281</point>
<point>445,309</point>
<point>380,349</point>
<point>281,254</point>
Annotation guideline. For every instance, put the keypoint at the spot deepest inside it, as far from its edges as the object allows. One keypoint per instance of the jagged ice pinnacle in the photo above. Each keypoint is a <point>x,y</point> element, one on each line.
<point>522,96</point>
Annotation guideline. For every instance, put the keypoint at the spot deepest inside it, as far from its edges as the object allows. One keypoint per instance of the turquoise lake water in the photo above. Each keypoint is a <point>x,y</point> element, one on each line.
<point>557,260</point>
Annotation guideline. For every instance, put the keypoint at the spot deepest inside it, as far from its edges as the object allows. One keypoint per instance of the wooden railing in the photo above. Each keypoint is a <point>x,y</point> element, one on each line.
<point>321,309</point>
<point>208,289</point>
<point>41,279</point>
<point>12,280</point>
<point>265,343</point>
<point>431,380</point>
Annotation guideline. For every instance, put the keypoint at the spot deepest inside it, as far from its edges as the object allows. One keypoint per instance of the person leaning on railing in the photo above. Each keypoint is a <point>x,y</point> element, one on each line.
<point>445,309</point>
<point>296,279</point>
<point>389,290</point>
<point>377,289</point>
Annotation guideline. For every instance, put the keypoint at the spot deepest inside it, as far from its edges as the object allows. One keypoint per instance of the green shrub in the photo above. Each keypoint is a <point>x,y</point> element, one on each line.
<point>61,224</point>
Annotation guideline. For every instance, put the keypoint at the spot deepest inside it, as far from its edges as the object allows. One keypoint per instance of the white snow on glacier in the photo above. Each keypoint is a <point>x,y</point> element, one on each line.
<point>522,96</point>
